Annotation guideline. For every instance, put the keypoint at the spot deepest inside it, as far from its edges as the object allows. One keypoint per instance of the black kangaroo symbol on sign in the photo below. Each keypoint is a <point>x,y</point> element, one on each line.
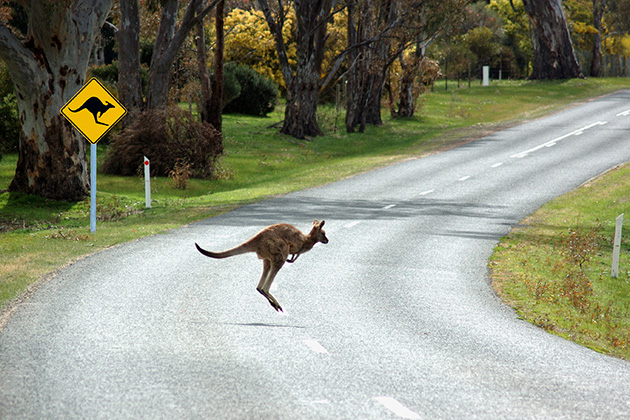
<point>96,107</point>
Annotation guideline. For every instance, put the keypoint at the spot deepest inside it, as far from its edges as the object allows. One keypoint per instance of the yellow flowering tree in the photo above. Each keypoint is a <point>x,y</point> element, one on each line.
<point>249,41</point>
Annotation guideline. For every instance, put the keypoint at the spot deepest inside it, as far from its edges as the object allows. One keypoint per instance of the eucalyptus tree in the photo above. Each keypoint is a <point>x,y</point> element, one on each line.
<point>48,63</point>
<point>554,56</point>
<point>170,37</point>
<point>303,79</point>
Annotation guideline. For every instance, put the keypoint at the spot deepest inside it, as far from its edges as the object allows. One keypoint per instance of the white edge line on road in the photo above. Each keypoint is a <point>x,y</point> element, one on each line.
<point>352,224</point>
<point>496,165</point>
<point>464,178</point>
<point>389,207</point>
<point>315,346</point>
<point>397,408</point>
<point>426,192</point>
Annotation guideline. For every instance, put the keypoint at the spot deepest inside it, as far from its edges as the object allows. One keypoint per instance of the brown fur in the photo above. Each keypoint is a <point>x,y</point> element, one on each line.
<point>273,245</point>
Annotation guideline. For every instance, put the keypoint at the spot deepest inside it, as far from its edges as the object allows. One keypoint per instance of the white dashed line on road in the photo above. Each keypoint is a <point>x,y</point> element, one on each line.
<point>397,408</point>
<point>315,346</point>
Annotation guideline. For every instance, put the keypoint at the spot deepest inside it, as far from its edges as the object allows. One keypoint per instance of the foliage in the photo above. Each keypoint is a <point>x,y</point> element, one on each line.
<point>9,122</point>
<point>516,30</point>
<point>180,174</point>
<point>231,86</point>
<point>166,137</point>
<point>249,41</point>
<point>258,94</point>
<point>490,35</point>
<point>106,72</point>
<point>426,75</point>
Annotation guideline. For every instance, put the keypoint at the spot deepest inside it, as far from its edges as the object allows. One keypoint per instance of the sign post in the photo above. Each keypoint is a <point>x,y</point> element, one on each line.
<point>93,187</point>
<point>93,111</point>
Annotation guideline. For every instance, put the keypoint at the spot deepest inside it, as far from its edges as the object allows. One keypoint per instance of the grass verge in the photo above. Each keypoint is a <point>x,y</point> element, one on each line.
<point>37,236</point>
<point>554,269</point>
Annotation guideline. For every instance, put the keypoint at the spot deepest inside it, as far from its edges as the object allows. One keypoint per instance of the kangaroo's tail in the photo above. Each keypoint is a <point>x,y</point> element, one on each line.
<point>241,249</point>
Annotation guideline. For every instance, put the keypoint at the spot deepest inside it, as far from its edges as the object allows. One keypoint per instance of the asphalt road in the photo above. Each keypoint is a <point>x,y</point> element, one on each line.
<point>394,318</point>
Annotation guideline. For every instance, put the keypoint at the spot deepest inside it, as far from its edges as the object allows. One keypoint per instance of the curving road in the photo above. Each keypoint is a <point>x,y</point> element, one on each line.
<point>394,318</point>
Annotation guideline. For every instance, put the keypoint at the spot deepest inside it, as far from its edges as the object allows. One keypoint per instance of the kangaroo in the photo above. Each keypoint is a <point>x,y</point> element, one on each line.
<point>95,106</point>
<point>273,245</point>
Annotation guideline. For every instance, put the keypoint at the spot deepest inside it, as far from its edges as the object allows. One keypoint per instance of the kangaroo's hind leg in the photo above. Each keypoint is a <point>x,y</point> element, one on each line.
<point>276,265</point>
<point>267,269</point>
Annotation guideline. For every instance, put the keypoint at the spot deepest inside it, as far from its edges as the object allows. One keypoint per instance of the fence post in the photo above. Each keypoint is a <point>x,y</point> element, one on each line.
<point>614,271</point>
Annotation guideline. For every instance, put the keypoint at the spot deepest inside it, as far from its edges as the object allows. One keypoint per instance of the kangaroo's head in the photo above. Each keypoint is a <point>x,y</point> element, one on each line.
<point>318,233</point>
<point>108,105</point>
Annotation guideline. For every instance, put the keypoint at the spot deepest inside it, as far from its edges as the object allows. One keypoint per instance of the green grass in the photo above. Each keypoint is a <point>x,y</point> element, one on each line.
<point>555,268</point>
<point>37,236</point>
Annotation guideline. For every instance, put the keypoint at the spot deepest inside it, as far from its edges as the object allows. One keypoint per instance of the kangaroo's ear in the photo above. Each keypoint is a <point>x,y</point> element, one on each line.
<point>315,222</point>
<point>321,224</point>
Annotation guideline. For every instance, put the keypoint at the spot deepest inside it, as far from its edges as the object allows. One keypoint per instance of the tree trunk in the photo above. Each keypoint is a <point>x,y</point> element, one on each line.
<point>160,72</point>
<point>129,78</point>
<point>352,74</point>
<point>554,57</point>
<point>216,103</point>
<point>47,69</point>
<point>300,116</point>
<point>167,44</point>
<point>370,61</point>
<point>204,77</point>
<point>410,67</point>
<point>598,14</point>
<point>406,101</point>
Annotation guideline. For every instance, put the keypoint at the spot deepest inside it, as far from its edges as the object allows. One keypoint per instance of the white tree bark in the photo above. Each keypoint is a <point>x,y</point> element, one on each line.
<point>48,67</point>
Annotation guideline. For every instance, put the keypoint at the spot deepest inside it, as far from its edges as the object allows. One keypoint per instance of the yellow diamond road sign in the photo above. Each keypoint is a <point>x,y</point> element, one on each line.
<point>93,110</point>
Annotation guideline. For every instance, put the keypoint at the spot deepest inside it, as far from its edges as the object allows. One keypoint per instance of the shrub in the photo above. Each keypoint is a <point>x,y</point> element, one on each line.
<point>180,174</point>
<point>231,87</point>
<point>166,137</point>
<point>9,124</point>
<point>106,72</point>
<point>258,94</point>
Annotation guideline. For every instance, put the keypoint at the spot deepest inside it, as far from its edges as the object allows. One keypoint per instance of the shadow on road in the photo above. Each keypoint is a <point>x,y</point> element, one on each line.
<point>290,209</point>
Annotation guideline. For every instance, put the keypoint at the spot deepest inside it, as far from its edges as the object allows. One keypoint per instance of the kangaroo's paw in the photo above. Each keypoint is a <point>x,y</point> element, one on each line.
<point>272,301</point>
<point>276,306</point>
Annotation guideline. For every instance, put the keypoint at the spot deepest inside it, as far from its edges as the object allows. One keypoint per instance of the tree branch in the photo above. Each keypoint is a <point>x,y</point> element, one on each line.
<point>276,30</point>
<point>512,4</point>
<point>19,59</point>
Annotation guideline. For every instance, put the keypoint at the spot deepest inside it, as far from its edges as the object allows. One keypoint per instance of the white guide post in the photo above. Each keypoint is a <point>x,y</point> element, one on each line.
<point>614,271</point>
<point>147,182</point>
<point>486,76</point>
